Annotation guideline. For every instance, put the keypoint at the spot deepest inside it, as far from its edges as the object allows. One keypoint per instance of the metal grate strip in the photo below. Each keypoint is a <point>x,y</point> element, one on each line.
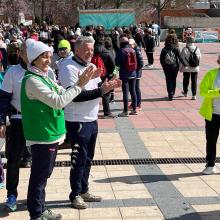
<point>142,161</point>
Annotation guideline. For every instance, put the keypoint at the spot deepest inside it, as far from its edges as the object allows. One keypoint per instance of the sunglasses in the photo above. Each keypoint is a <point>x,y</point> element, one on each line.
<point>62,49</point>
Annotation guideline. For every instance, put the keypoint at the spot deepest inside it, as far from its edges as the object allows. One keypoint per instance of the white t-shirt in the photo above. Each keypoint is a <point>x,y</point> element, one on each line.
<point>12,84</point>
<point>155,28</point>
<point>78,111</point>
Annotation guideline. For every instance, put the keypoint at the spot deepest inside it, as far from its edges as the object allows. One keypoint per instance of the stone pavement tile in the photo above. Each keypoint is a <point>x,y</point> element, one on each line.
<point>114,144</point>
<point>149,135</point>
<point>161,148</point>
<point>98,169</point>
<point>197,168</point>
<point>135,194</point>
<point>144,218</point>
<point>96,187</point>
<point>116,186</point>
<point>120,168</point>
<point>163,155</point>
<point>189,154</point>
<point>156,143</point>
<point>98,174</point>
<point>194,188</point>
<point>106,123</point>
<point>124,174</point>
<point>113,150</point>
<point>106,137</point>
<point>150,212</point>
<point>18,215</point>
<point>141,123</point>
<point>214,184</point>
<point>100,213</point>
<point>117,156</point>
<point>208,212</point>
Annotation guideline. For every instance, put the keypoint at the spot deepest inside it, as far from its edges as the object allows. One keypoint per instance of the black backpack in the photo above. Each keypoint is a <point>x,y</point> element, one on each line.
<point>193,60</point>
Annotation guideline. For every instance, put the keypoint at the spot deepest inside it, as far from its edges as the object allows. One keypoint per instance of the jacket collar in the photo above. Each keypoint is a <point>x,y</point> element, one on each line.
<point>79,61</point>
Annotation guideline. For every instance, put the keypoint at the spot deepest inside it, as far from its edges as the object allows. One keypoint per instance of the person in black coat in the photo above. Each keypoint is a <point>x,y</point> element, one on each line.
<point>149,45</point>
<point>108,59</point>
<point>170,59</point>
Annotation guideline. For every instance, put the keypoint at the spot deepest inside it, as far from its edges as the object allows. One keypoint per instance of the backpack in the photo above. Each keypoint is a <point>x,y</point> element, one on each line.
<point>97,60</point>
<point>170,57</point>
<point>193,60</point>
<point>131,60</point>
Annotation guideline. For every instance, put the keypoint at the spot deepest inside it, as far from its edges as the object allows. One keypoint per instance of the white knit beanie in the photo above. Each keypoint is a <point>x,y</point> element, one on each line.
<point>35,49</point>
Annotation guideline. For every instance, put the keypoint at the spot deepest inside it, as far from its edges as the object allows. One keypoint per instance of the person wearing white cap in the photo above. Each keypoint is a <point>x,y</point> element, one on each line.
<point>42,101</point>
<point>16,151</point>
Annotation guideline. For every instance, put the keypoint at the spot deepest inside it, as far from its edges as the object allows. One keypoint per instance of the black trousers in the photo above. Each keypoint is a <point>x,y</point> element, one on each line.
<point>186,77</point>
<point>150,58</point>
<point>15,148</point>
<point>105,103</point>
<point>212,133</point>
<point>43,160</point>
<point>171,82</point>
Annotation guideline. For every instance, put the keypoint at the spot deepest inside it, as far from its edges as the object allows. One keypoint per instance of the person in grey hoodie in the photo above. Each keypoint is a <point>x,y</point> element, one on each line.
<point>189,71</point>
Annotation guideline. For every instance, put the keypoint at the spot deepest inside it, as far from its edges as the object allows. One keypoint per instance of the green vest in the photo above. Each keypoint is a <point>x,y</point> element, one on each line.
<point>41,123</point>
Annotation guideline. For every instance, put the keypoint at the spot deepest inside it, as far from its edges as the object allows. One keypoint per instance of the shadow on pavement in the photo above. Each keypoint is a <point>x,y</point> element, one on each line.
<point>21,206</point>
<point>146,178</point>
<point>212,215</point>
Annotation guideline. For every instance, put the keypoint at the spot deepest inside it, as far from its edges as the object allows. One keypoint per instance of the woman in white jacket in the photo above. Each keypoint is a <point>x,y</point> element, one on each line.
<point>187,68</point>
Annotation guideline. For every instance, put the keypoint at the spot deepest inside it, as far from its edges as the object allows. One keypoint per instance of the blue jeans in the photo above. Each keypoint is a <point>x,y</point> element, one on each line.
<point>43,160</point>
<point>83,137</point>
<point>129,85</point>
<point>138,92</point>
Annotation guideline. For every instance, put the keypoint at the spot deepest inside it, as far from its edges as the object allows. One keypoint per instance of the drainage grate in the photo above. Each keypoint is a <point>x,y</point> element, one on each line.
<point>141,161</point>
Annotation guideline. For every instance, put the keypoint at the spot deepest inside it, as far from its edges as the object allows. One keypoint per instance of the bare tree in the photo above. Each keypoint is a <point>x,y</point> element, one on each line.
<point>12,10</point>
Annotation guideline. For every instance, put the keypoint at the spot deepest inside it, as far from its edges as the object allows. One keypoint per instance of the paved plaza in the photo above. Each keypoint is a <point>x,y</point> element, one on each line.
<point>163,129</point>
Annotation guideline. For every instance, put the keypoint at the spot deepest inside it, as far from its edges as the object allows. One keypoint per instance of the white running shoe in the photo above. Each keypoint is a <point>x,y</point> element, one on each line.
<point>209,170</point>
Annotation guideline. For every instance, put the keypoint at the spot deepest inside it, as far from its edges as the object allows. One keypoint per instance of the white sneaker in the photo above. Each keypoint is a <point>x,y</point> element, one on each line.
<point>209,170</point>
<point>150,66</point>
<point>193,97</point>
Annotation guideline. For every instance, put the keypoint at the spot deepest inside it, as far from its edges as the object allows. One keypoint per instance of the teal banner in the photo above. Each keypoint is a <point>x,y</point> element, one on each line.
<point>206,36</point>
<point>108,20</point>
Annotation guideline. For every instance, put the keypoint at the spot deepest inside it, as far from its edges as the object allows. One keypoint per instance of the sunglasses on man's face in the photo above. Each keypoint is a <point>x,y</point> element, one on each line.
<point>62,49</point>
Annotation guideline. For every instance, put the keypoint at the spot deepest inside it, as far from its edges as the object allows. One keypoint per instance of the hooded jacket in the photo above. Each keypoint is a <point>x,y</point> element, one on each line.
<point>208,91</point>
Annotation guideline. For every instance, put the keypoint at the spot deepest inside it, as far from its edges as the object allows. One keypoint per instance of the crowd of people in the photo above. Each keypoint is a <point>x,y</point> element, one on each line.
<point>52,79</point>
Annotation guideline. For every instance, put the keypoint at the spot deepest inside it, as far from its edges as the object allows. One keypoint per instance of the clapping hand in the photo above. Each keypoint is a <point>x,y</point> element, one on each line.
<point>109,85</point>
<point>88,74</point>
